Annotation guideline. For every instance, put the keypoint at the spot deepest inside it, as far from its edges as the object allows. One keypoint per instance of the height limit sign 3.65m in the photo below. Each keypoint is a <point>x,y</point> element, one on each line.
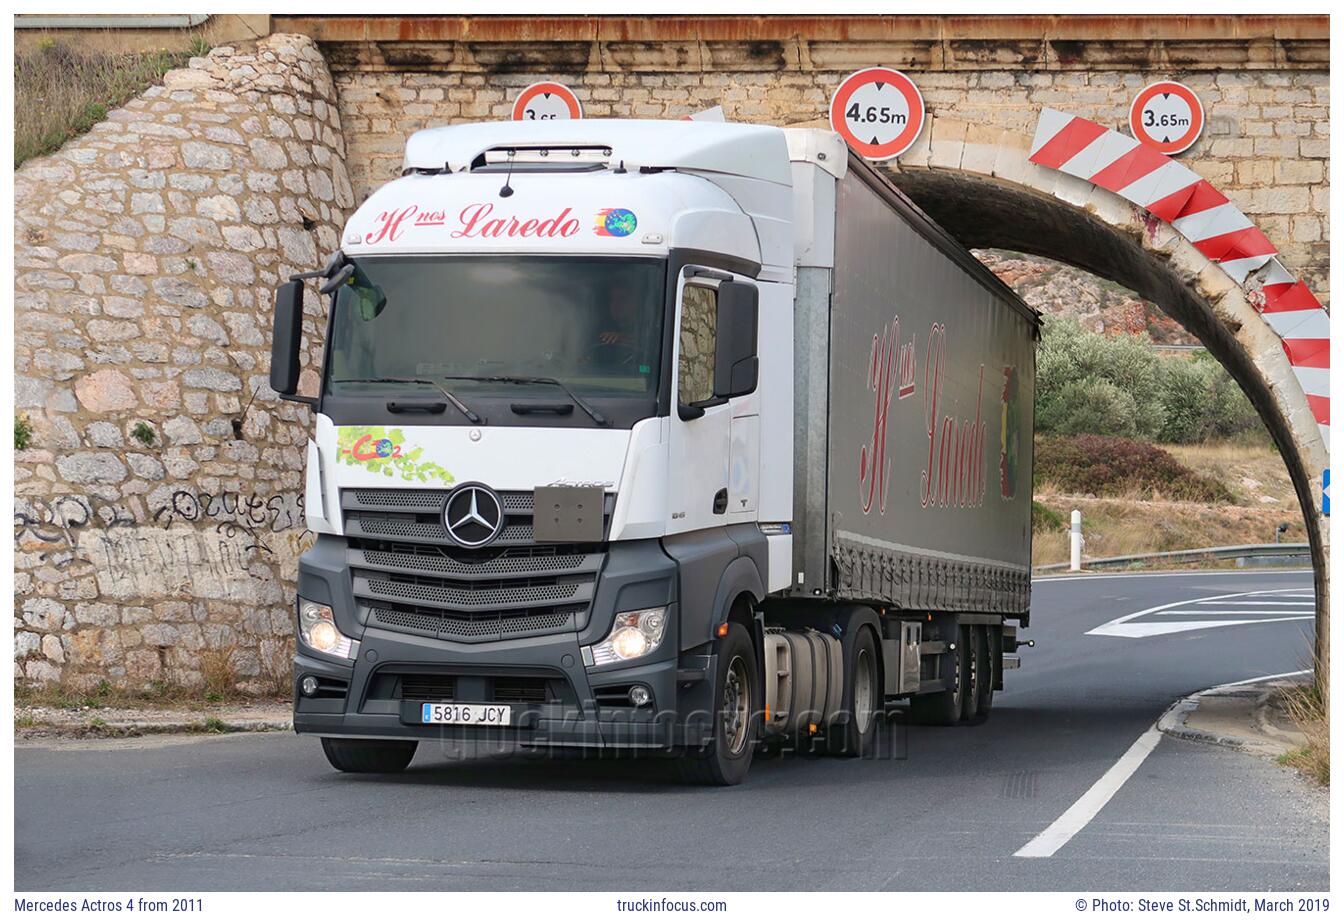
<point>878,111</point>
<point>1166,116</point>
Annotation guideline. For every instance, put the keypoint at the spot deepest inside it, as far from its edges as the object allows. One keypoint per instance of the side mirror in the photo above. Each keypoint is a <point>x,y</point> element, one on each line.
<point>286,334</point>
<point>735,362</point>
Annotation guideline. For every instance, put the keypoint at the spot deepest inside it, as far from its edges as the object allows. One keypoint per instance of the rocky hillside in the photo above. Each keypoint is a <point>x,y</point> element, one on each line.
<point>1101,306</point>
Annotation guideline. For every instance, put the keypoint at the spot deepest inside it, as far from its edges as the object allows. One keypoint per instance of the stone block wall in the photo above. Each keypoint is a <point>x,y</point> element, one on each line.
<point>159,504</point>
<point>1265,144</point>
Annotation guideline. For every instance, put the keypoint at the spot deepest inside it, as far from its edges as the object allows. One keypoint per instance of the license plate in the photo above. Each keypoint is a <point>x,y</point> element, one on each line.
<point>465,714</point>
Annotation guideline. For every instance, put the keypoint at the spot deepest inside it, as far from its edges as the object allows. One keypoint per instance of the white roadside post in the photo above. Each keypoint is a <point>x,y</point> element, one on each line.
<point>1076,541</point>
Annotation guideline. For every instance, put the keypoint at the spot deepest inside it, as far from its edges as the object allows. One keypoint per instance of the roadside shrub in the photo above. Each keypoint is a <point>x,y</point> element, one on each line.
<point>1089,406</point>
<point>1045,519</point>
<point>1087,383</point>
<point>1110,466</point>
<point>1201,402</point>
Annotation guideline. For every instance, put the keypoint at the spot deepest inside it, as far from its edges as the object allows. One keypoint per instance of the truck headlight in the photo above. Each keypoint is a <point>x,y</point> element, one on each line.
<point>635,634</point>
<point>317,630</point>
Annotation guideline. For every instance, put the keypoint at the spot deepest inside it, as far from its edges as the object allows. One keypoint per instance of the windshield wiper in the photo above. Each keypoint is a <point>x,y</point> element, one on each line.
<point>596,416</point>
<point>457,403</point>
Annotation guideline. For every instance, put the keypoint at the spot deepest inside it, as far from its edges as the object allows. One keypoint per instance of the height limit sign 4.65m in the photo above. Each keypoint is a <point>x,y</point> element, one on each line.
<point>878,111</point>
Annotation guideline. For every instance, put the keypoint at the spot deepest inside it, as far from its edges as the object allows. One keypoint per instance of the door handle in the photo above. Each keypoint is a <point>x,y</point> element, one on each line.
<point>721,501</point>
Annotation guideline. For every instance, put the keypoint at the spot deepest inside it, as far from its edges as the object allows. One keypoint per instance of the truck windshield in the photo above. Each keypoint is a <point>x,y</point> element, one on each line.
<point>593,323</point>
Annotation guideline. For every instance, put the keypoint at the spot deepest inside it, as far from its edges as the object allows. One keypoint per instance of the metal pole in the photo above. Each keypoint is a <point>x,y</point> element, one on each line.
<point>1076,542</point>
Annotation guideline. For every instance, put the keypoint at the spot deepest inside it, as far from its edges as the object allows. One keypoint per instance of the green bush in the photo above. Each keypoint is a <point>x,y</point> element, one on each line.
<point>1089,406</point>
<point>1045,519</point>
<point>1088,383</point>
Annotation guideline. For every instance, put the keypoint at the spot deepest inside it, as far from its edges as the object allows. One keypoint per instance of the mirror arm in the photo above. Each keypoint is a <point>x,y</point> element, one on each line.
<point>340,278</point>
<point>687,413</point>
<point>309,401</point>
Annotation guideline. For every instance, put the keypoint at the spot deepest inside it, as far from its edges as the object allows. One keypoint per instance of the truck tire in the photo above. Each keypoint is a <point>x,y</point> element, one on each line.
<point>943,707</point>
<point>368,756</point>
<point>724,761</point>
<point>971,674</point>
<point>863,701</point>
<point>985,671</point>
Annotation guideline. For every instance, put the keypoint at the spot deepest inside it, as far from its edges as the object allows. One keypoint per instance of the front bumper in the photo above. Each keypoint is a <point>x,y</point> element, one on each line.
<point>576,712</point>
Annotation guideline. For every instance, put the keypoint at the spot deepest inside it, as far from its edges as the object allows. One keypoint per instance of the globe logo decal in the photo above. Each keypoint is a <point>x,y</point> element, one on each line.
<point>383,448</point>
<point>615,222</point>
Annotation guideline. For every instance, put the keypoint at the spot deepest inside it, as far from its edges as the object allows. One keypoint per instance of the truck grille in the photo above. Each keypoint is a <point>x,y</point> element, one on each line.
<point>409,576</point>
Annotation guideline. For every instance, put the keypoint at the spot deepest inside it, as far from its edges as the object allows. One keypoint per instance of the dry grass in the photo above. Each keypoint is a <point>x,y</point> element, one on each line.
<point>61,92</point>
<point>1263,498</point>
<point>218,672</point>
<point>1307,708</point>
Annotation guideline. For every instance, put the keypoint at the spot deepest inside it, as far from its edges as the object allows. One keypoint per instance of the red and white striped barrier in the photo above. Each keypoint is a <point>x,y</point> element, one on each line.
<point>1216,227</point>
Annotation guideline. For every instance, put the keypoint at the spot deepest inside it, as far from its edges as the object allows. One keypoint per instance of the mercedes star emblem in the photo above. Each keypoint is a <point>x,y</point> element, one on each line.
<point>473,515</point>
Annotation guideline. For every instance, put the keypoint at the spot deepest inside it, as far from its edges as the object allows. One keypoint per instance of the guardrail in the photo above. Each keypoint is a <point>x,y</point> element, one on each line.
<point>1207,554</point>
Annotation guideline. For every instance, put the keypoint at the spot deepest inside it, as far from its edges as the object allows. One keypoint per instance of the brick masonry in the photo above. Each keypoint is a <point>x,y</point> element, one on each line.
<point>159,507</point>
<point>1265,144</point>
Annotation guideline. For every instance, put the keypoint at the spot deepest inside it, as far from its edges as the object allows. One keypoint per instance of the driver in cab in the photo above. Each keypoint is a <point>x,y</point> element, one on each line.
<point>614,344</point>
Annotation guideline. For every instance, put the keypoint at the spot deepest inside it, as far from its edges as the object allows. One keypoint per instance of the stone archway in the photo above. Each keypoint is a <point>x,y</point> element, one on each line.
<point>979,184</point>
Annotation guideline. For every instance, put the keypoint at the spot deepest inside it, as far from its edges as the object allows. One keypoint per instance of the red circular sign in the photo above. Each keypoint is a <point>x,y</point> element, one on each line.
<point>546,102</point>
<point>878,111</point>
<point>1166,116</point>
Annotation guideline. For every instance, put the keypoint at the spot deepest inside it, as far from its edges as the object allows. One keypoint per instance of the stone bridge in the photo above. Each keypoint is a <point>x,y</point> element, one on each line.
<point>146,252</point>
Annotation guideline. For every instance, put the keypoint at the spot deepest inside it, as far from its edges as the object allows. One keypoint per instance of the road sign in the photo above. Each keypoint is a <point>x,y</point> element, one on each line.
<point>878,111</point>
<point>1325,492</point>
<point>1166,116</point>
<point>546,101</point>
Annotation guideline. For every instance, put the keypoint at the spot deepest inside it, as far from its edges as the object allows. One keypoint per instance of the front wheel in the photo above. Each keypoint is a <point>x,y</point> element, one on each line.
<point>724,761</point>
<point>351,756</point>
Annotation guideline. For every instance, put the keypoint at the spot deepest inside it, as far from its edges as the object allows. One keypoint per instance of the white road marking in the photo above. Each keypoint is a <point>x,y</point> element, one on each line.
<point>1080,813</point>
<point>1275,603</point>
<point>1300,614</point>
<point>1210,573</point>
<point>1124,627</point>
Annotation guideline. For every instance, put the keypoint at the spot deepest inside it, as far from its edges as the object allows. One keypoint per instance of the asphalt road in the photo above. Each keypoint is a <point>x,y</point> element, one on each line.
<point>949,812</point>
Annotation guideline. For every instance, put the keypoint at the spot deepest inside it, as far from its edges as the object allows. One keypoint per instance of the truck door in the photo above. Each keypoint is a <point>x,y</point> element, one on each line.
<point>699,455</point>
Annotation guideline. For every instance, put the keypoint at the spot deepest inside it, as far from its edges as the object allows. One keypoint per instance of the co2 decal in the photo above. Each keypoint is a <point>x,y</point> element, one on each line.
<point>879,112</point>
<point>383,450</point>
<point>1166,116</point>
<point>546,102</point>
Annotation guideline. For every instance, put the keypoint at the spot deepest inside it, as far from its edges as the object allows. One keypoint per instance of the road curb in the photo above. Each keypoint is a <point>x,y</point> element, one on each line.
<point>133,728</point>
<point>1257,691</point>
<point>1173,723</point>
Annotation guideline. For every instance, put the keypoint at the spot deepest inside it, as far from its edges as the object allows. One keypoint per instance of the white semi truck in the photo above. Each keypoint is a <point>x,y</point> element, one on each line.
<point>672,436</point>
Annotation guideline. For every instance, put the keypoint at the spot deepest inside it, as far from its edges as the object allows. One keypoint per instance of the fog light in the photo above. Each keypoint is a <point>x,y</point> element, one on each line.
<point>639,695</point>
<point>308,685</point>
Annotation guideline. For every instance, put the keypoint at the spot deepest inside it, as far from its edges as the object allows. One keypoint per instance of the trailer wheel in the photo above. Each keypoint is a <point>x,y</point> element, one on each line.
<point>973,674</point>
<point>985,675</point>
<point>368,756</point>
<point>724,761</point>
<point>862,701</point>
<point>943,707</point>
